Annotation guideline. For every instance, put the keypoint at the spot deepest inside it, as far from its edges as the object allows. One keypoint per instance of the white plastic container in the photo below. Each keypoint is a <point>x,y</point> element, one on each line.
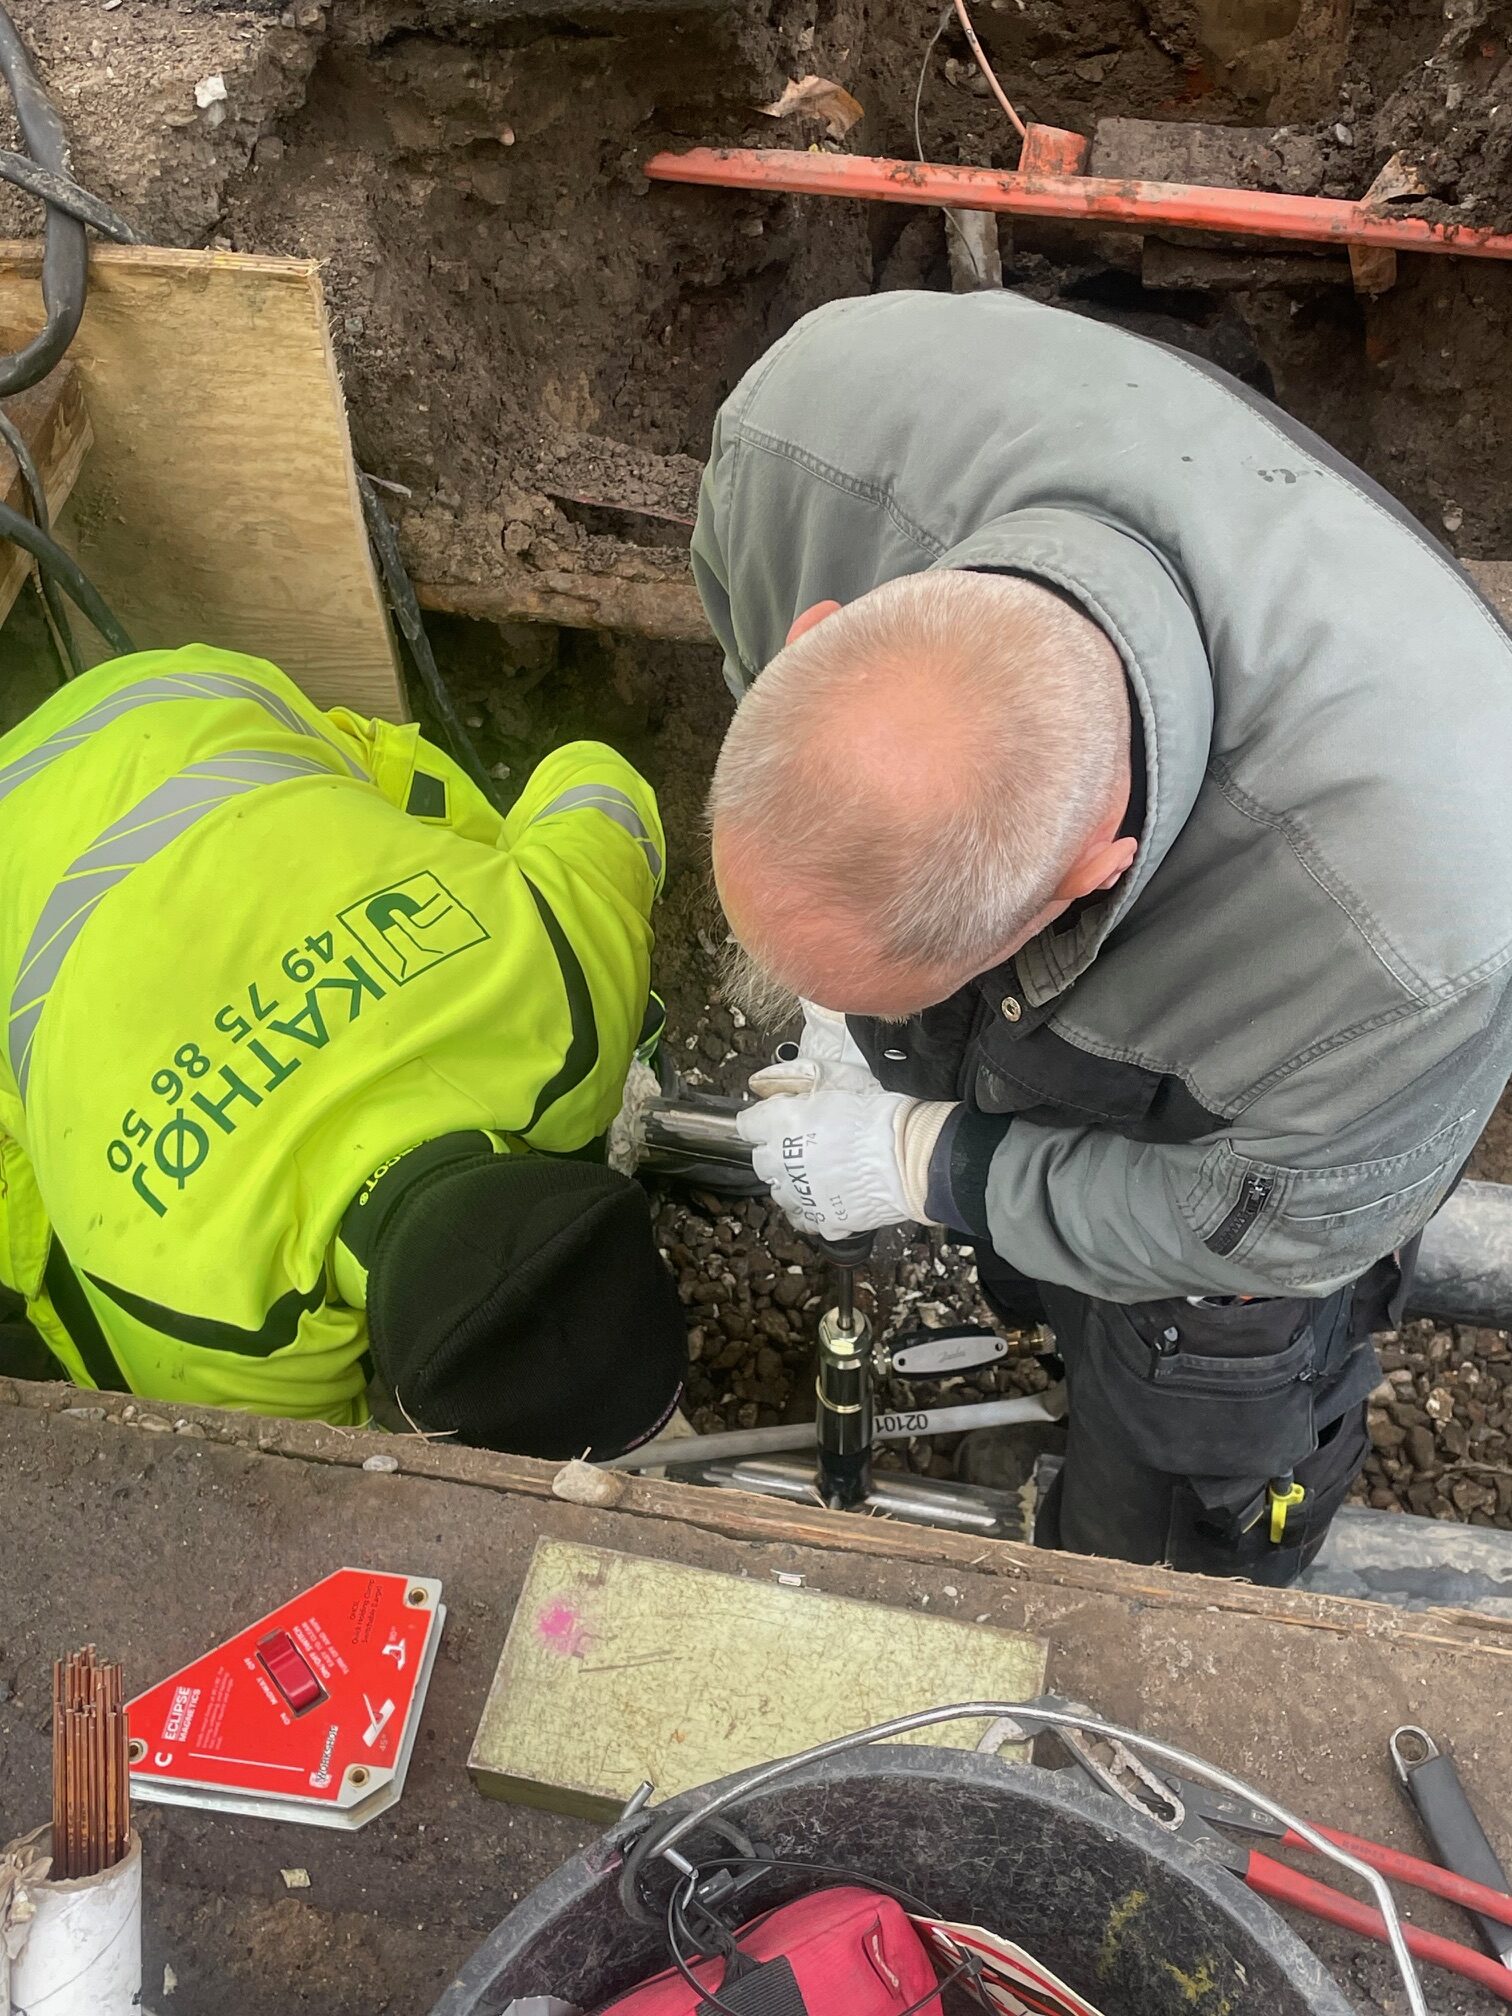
<point>82,1953</point>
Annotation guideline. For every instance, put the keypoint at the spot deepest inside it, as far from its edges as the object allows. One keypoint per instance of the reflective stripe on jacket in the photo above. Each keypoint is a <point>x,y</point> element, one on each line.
<point>250,951</point>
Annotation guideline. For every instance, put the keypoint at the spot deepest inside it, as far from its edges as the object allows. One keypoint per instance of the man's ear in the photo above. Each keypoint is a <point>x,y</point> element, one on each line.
<point>1100,867</point>
<point>815,613</point>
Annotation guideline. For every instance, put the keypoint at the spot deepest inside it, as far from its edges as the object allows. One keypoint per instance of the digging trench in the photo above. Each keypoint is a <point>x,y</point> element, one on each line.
<point>534,342</point>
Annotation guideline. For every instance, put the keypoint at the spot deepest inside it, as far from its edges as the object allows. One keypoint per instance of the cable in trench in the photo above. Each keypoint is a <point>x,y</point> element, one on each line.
<point>411,624</point>
<point>44,171</point>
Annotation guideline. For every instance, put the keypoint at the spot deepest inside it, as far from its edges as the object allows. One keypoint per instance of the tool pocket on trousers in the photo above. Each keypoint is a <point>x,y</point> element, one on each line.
<point>1216,1389</point>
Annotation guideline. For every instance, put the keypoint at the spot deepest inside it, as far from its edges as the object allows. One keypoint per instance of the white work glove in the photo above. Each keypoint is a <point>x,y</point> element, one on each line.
<point>840,1161</point>
<point>827,1055</point>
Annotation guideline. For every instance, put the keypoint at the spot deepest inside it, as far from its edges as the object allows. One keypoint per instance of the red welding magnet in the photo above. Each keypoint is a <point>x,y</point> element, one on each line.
<point>309,1714</point>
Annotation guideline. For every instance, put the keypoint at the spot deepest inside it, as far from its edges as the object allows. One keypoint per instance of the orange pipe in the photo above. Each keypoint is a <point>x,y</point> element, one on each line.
<point>1088,199</point>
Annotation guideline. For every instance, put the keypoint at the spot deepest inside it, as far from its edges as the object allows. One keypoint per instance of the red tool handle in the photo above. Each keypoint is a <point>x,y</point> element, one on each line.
<point>1412,1870</point>
<point>1289,1886</point>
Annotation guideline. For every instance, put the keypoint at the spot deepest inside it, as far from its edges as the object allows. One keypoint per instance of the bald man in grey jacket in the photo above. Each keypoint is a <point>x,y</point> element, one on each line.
<point>1133,774</point>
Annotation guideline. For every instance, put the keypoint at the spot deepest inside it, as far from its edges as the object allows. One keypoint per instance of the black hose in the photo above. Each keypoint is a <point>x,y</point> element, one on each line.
<point>43,171</point>
<point>65,250</point>
<point>69,575</point>
<point>63,193</point>
<point>406,608</point>
<point>31,478</point>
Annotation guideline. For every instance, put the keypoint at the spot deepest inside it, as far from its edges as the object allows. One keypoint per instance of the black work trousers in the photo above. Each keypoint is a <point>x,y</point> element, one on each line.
<point>1192,1420</point>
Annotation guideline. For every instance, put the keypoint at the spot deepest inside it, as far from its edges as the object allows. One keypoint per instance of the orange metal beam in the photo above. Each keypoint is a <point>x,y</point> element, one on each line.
<point>1088,199</point>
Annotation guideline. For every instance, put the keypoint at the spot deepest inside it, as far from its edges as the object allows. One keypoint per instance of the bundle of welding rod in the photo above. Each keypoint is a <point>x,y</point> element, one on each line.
<point>91,1823</point>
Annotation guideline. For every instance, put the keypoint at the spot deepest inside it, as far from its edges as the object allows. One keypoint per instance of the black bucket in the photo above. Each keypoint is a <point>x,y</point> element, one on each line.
<point>1143,1924</point>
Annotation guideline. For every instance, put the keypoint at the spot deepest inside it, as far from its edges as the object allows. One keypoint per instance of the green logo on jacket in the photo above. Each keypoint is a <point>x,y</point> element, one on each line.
<point>412,926</point>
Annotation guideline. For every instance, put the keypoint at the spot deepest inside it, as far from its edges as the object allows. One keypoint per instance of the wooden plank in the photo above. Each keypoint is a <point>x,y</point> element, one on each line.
<point>54,424</point>
<point>1170,150</point>
<point>220,504</point>
<point>620,1669</point>
<point>670,609</point>
<point>577,599</point>
<point>734,1516</point>
<point>1232,271</point>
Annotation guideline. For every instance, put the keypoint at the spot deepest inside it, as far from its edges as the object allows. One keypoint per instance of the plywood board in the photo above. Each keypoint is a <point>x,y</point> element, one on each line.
<point>220,503</point>
<point>619,1669</point>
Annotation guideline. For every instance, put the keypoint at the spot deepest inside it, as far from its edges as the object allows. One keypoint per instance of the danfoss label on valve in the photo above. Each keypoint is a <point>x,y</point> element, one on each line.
<point>309,1714</point>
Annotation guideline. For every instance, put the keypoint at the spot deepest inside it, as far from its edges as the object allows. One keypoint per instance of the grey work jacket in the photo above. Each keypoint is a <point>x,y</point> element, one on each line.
<point>1308,960</point>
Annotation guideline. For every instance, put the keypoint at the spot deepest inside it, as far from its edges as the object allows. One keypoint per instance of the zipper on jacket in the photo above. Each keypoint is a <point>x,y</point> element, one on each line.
<point>1252,1201</point>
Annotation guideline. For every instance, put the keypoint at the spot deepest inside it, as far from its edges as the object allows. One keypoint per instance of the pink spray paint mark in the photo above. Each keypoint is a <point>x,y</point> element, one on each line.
<point>562,1630</point>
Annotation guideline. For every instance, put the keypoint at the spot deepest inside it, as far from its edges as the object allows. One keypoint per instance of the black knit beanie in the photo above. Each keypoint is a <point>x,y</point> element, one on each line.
<point>520,1301</point>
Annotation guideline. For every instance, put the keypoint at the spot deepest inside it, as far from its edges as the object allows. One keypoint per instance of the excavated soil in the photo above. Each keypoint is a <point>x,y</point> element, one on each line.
<point>523,321</point>
<point>534,341</point>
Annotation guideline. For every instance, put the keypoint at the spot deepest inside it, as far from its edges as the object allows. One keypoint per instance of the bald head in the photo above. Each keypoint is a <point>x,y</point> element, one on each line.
<point>918,783</point>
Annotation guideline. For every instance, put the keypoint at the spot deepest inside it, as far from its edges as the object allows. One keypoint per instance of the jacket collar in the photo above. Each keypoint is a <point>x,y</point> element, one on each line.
<point>1128,589</point>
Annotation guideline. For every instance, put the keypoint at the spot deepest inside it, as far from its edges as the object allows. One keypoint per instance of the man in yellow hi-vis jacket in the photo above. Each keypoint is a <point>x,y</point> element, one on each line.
<point>301,1040</point>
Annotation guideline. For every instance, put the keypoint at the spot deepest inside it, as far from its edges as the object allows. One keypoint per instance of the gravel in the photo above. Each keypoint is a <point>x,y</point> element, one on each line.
<point>1440,1421</point>
<point>1441,1426</point>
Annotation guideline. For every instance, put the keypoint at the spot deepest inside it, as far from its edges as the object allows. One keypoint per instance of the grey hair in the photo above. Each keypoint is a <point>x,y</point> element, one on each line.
<point>1025,745</point>
<point>744,983</point>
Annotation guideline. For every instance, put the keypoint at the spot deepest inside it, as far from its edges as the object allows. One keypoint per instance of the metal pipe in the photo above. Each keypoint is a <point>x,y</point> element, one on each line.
<point>1089,199</point>
<point>843,1390</point>
<point>845,1298</point>
<point>921,1501</point>
<point>684,1451</point>
<point>1464,1266</point>
<point>684,1127</point>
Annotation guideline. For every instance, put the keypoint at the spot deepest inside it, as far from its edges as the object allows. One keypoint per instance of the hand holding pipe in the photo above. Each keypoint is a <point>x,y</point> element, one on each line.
<point>1464,1267</point>
<point>677,1131</point>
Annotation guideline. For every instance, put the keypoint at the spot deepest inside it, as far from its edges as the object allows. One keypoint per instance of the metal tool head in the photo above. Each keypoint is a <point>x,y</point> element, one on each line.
<point>1174,1804</point>
<point>1107,1763</point>
<point>1219,1809</point>
<point>1411,1746</point>
<point>933,1354</point>
<point>1113,1767</point>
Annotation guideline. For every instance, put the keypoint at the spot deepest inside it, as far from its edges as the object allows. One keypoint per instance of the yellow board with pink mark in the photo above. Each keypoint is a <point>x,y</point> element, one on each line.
<point>618,1670</point>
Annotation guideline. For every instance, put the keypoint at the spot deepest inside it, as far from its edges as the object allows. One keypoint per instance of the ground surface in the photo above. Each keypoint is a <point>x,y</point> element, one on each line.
<point>157,1545</point>
<point>534,343</point>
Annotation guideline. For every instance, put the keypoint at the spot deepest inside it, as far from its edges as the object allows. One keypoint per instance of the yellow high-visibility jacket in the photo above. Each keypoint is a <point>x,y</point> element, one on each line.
<point>249,952</point>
